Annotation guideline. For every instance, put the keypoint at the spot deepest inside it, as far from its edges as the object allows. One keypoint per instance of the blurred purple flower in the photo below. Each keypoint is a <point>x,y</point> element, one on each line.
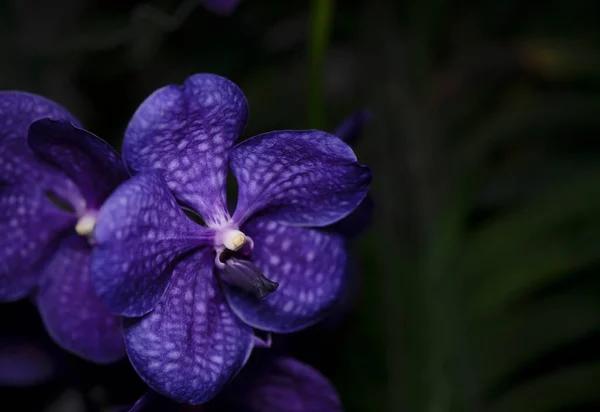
<point>53,179</point>
<point>24,363</point>
<point>223,7</point>
<point>193,293</point>
<point>267,384</point>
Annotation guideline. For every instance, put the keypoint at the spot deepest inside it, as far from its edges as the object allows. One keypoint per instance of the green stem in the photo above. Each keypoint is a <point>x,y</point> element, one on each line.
<point>320,31</point>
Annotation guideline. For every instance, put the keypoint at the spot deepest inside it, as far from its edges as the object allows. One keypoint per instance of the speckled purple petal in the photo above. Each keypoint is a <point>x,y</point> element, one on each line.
<point>352,126</point>
<point>279,384</point>
<point>17,162</point>
<point>86,159</point>
<point>223,7</point>
<point>74,316</point>
<point>141,231</point>
<point>29,225</point>
<point>300,178</point>
<point>191,344</point>
<point>19,109</point>
<point>186,132</point>
<point>307,263</point>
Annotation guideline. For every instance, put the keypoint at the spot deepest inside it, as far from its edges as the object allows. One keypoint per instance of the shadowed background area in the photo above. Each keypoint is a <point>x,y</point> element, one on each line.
<point>477,285</point>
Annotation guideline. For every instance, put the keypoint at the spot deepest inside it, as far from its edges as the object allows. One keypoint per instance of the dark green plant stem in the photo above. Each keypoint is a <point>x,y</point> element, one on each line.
<point>320,32</point>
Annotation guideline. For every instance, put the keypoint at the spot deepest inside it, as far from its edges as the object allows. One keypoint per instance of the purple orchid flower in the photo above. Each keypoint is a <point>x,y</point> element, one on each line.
<point>54,177</point>
<point>267,384</point>
<point>192,293</point>
<point>222,7</point>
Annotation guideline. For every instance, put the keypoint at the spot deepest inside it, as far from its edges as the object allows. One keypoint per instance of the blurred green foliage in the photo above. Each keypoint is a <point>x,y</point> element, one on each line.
<point>480,287</point>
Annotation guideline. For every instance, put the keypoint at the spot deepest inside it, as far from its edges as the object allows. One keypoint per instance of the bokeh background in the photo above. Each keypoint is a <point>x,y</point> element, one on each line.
<point>478,286</point>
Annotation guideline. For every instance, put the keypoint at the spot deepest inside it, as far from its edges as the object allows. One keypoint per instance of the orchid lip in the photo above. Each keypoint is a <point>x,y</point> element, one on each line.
<point>243,274</point>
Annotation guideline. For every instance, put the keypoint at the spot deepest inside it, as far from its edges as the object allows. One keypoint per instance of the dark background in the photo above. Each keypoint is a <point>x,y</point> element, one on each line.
<point>479,287</point>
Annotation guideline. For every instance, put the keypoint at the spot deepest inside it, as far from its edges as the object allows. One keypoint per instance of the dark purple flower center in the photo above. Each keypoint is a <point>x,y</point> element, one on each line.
<point>233,249</point>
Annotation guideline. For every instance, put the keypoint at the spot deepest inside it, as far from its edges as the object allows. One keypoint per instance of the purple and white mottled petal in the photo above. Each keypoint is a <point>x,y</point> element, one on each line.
<point>308,264</point>
<point>279,384</point>
<point>74,316</point>
<point>140,233</point>
<point>186,133</point>
<point>19,109</point>
<point>24,363</point>
<point>300,178</point>
<point>29,225</point>
<point>223,7</point>
<point>191,344</point>
<point>86,159</point>
<point>17,162</point>
<point>352,126</point>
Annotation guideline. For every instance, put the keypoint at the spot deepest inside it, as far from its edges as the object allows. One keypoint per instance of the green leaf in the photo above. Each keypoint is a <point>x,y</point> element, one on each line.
<point>515,338</point>
<point>564,388</point>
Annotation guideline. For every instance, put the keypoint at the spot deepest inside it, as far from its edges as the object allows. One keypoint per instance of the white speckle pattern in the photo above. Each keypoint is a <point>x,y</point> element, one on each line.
<point>307,178</point>
<point>206,348</point>
<point>81,324</point>
<point>29,224</point>
<point>199,121</point>
<point>137,245</point>
<point>308,288</point>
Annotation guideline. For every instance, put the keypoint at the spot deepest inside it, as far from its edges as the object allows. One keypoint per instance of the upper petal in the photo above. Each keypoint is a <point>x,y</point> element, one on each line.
<point>74,316</point>
<point>308,264</point>
<point>279,384</point>
<point>352,126</point>
<point>86,159</point>
<point>141,231</point>
<point>191,344</point>
<point>303,178</point>
<point>186,133</point>
<point>30,226</point>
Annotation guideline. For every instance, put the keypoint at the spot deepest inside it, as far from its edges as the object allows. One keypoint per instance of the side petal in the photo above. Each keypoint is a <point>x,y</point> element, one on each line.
<point>74,316</point>
<point>86,159</point>
<point>30,225</point>
<point>309,266</point>
<point>186,133</point>
<point>140,233</point>
<point>356,222</point>
<point>300,178</point>
<point>352,126</point>
<point>19,109</point>
<point>191,344</point>
<point>280,384</point>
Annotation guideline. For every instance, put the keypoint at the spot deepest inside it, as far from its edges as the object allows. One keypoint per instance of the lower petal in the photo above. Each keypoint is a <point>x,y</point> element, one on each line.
<point>280,384</point>
<point>308,265</point>
<point>74,316</point>
<point>191,344</point>
<point>30,225</point>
